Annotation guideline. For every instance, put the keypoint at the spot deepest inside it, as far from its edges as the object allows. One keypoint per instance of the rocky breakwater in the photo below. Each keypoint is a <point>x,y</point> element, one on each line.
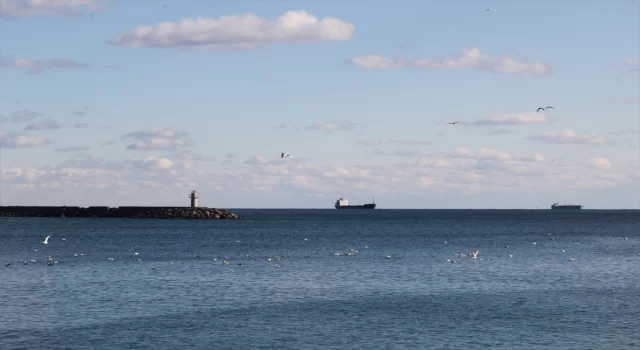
<point>118,212</point>
<point>187,213</point>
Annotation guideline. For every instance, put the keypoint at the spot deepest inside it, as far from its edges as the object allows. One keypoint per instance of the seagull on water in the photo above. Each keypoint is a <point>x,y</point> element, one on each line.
<point>543,108</point>
<point>46,240</point>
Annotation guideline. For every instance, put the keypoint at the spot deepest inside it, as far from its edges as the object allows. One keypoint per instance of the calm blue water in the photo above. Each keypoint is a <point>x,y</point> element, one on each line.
<point>536,299</point>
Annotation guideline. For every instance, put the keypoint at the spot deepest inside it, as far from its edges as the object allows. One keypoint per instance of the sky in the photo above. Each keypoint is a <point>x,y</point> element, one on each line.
<point>139,102</point>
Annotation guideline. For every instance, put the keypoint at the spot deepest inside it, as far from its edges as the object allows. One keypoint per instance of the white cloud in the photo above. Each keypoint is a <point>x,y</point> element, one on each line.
<point>72,149</point>
<point>256,160</point>
<point>337,126</point>
<point>400,153</point>
<point>431,163</point>
<point>401,142</point>
<point>37,66</point>
<point>8,140</point>
<point>44,125</point>
<point>632,65</point>
<point>136,181</point>
<point>599,163</point>
<point>370,142</point>
<point>23,115</point>
<point>467,59</point>
<point>624,100</point>
<point>515,119</point>
<point>492,154</point>
<point>424,181</point>
<point>412,142</point>
<point>229,159</point>
<point>245,32</point>
<point>21,174</point>
<point>155,163</point>
<point>29,8</point>
<point>193,156</point>
<point>81,112</point>
<point>569,137</point>
<point>157,139</point>
<point>536,157</point>
<point>629,131</point>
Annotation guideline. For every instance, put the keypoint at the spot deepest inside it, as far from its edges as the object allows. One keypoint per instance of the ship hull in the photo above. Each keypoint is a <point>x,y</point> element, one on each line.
<point>365,206</point>
<point>566,207</point>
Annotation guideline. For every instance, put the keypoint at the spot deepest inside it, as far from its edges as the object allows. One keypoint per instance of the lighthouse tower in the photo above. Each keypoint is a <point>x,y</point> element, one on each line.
<point>194,199</point>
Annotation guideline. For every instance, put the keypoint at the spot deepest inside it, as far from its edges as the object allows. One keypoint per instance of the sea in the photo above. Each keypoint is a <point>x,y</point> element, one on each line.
<point>324,279</point>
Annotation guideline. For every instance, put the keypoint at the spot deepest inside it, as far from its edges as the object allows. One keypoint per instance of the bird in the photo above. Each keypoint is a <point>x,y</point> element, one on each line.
<point>46,240</point>
<point>489,10</point>
<point>453,123</point>
<point>282,155</point>
<point>475,254</point>
<point>544,109</point>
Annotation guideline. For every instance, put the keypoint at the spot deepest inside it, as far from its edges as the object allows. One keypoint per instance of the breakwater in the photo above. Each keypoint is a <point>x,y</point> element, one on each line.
<point>118,212</point>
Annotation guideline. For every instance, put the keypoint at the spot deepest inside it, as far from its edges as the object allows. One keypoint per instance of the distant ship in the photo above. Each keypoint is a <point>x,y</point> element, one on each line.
<point>566,206</point>
<point>343,203</point>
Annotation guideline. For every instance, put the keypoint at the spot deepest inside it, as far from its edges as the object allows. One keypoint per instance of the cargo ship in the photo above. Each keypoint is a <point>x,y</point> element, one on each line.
<point>566,206</point>
<point>343,203</point>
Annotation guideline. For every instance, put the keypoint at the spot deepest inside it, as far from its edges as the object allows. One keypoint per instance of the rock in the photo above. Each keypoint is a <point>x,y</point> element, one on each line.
<point>122,212</point>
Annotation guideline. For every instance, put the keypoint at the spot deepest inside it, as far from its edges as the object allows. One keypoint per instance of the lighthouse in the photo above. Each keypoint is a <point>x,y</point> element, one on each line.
<point>194,199</point>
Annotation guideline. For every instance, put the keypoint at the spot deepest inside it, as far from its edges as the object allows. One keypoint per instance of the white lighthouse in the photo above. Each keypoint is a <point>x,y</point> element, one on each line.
<point>194,199</point>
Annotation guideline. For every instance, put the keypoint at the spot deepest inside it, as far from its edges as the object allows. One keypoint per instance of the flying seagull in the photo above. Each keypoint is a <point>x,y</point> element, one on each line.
<point>475,254</point>
<point>282,155</point>
<point>46,240</point>
<point>489,10</point>
<point>453,123</point>
<point>544,109</point>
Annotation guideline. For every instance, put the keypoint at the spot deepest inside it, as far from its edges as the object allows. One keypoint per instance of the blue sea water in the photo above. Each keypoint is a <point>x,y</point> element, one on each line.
<point>521,293</point>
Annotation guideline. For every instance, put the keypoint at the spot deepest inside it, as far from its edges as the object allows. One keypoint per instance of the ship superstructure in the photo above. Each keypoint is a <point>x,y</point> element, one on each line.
<point>566,206</point>
<point>343,203</point>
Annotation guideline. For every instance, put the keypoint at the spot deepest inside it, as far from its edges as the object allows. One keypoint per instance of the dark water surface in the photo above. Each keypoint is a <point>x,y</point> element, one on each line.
<point>536,299</point>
